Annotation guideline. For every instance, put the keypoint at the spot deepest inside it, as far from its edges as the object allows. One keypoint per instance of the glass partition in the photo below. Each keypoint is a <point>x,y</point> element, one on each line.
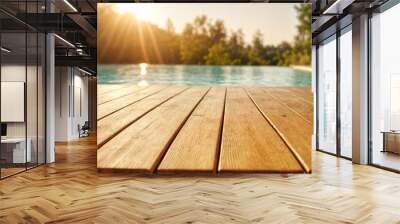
<point>32,97</point>
<point>22,77</point>
<point>327,95</point>
<point>41,97</point>
<point>385,89</point>
<point>14,153</point>
<point>346,92</point>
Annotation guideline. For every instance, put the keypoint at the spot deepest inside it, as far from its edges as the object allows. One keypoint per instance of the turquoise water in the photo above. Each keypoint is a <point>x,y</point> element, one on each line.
<point>202,75</point>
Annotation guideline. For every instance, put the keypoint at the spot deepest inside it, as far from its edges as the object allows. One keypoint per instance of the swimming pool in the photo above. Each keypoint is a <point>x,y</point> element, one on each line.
<point>147,74</point>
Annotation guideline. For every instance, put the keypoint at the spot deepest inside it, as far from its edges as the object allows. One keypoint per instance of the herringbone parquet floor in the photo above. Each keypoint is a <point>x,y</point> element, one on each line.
<point>72,191</point>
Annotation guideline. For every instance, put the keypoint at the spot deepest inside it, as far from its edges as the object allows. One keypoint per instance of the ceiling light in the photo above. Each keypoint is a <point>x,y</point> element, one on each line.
<point>84,71</point>
<point>70,5</point>
<point>80,51</point>
<point>5,50</point>
<point>337,7</point>
<point>65,41</point>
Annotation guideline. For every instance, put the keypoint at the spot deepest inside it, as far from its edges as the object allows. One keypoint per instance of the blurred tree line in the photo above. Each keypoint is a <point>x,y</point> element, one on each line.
<point>202,42</point>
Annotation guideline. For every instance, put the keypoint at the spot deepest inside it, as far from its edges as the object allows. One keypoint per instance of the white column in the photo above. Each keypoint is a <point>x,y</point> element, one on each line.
<point>50,92</point>
<point>50,99</point>
<point>360,89</point>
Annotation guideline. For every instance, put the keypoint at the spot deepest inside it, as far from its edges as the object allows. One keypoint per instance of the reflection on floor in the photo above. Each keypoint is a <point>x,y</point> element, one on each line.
<point>10,171</point>
<point>387,159</point>
<point>72,191</point>
<point>205,129</point>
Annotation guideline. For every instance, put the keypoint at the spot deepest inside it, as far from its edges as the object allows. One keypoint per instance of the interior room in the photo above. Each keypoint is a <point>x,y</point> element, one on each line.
<point>22,102</point>
<point>71,100</point>
<point>25,66</point>
<point>52,90</point>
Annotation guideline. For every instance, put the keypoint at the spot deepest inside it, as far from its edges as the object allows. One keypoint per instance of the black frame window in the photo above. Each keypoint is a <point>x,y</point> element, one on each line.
<point>334,147</point>
<point>22,61</point>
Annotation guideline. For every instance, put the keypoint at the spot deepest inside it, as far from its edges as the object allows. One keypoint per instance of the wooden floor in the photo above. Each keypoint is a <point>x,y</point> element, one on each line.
<point>10,171</point>
<point>203,129</point>
<point>72,191</point>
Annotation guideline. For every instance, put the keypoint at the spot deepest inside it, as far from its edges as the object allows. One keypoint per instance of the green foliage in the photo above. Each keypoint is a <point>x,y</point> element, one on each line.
<point>256,50</point>
<point>303,40</point>
<point>218,55</point>
<point>204,41</point>
<point>195,41</point>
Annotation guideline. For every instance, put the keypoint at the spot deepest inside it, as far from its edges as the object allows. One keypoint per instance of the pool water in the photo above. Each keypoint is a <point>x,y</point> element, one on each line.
<point>147,74</point>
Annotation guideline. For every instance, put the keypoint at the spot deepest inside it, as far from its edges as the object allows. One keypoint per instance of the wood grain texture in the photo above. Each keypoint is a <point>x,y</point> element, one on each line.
<point>8,171</point>
<point>102,89</point>
<point>296,132</point>
<point>72,191</point>
<point>194,145</point>
<point>304,93</point>
<point>140,146</point>
<point>195,148</point>
<point>249,143</point>
<point>294,101</point>
<point>110,107</point>
<point>114,123</point>
<point>124,91</point>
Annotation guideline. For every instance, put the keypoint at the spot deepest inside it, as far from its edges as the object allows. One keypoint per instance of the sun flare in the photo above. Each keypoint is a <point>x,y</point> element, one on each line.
<point>143,69</point>
<point>139,12</point>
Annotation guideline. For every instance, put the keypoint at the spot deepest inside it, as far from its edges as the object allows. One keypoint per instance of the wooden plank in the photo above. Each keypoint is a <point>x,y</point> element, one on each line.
<point>114,123</point>
<point>196,147</point>
<point>110,107</point>
<point>296,103</point>
<point>105,88</point>
<point>303,92</point>
<point>141,146</point>
<point>123,91</point>
<point>295,131</point>
<point>249,143</point>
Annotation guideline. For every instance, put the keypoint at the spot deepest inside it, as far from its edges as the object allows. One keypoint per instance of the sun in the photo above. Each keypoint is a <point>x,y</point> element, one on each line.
<point>140,12</point>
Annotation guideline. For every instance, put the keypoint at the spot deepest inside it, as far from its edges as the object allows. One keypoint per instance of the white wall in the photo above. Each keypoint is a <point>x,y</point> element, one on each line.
<point>62,81</point>
<point>14,73</point>
<point>33,126</point>
<point>70,83</point>
<point>80,89</point>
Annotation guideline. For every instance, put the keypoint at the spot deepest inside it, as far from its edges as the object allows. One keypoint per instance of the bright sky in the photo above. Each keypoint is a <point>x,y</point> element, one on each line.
<point>276,21</point>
